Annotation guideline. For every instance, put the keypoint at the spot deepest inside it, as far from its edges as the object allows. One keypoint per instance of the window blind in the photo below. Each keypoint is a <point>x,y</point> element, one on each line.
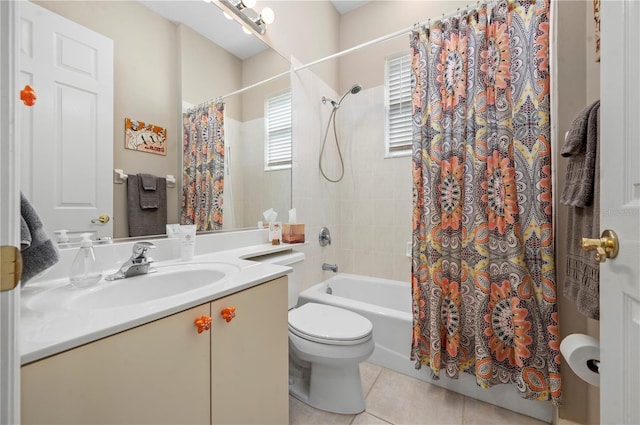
<point>398,120</point>
<point>278,132</point>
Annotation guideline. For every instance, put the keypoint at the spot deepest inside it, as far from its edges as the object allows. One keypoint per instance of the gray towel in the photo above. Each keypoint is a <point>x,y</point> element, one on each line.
<point>149,221</point>
<point>580,147</point>
<point>149,196</point>
<point>38,252</point>
<point>582,194</point>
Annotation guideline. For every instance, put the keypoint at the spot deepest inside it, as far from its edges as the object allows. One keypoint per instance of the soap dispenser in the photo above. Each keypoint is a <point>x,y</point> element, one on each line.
<point>85,269</point>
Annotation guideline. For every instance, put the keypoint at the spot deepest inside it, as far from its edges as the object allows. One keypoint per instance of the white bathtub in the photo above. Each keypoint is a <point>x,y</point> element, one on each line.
<point>387,304</point>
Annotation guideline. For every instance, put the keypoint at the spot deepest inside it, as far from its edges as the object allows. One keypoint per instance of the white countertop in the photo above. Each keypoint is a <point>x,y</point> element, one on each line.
<point>56,328</point>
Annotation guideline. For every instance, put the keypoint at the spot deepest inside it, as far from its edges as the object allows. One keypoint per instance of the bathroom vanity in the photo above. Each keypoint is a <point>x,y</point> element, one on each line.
<point>163,370</point>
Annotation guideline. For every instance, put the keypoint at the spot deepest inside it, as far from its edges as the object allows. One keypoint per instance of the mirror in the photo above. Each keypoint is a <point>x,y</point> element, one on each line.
<point>161,65</point>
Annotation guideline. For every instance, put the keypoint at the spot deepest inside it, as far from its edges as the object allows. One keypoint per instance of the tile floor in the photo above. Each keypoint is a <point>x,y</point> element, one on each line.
<point>394,398</point>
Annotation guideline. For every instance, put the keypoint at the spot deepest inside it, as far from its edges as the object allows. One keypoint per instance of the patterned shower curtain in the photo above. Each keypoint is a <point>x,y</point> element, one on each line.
<point>203,166</point>
<point>483,273</point>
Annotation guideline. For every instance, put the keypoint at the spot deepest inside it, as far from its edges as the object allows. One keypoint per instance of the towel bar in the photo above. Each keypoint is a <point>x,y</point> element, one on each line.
<point>119,177</point>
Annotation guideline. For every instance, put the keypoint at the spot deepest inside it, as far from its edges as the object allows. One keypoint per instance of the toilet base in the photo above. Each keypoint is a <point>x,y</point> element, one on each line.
<point>330,388</point>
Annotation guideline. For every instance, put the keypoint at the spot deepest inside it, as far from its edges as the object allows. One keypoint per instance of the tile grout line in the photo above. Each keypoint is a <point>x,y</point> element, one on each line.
<point>367,395</point>
<point>464,408</point>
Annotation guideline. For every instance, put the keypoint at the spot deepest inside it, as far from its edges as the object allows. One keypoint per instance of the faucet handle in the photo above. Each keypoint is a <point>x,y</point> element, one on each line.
<point>140,249</point>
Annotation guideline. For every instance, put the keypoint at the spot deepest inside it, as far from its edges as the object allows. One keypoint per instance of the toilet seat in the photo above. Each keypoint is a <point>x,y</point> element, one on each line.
<point>327,324</point>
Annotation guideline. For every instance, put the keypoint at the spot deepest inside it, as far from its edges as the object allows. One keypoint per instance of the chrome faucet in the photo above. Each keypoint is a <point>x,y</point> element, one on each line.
<point>331,267</point>
<point>136,265</point>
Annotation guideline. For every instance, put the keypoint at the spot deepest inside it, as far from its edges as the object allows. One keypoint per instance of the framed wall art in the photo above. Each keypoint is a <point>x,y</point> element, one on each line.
<point>142,137</point>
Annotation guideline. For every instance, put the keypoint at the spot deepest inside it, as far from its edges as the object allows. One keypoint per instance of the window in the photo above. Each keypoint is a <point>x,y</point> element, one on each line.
<point>277,149</point>
<point>398,131</point>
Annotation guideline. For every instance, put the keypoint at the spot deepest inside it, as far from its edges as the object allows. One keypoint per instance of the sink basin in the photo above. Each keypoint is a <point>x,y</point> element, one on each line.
<point>166,281</point>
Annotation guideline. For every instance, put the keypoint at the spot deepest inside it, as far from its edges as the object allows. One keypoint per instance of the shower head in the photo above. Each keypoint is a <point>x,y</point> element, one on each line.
<point>353,90</point>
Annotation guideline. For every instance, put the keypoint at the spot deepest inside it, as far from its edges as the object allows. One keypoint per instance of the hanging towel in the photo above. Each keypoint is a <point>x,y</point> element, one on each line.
<point>146,221</point>
<point>582,194</point>
<point>149,196</point>
<point>580,147</point>
<point>38,252</point>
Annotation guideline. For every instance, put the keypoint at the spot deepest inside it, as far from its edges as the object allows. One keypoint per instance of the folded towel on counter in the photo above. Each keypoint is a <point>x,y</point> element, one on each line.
<point>146,221</point>
<point>582,194</point>
<point>38,252</point>
<point>149,195</point>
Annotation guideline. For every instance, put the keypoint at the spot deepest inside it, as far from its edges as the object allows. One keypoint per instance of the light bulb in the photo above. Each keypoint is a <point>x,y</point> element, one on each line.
<point>267,16</point>
<point>248,3</point>
<point>246,31</point>
<point>226,15</point>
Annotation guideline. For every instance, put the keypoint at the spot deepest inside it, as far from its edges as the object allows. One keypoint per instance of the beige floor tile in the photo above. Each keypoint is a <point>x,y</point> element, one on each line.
<point>366,419</point>
<point>400,399</point>
<point>369,372</point>
<point>303,414</point>
<point>480,413</point>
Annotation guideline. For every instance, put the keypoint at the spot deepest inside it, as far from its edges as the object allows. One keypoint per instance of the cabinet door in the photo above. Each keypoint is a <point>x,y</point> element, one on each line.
<point>157,373</point>
<point>249,357</point>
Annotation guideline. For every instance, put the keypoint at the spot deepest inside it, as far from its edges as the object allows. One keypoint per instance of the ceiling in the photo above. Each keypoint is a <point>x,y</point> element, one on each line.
<point>208,20</point>
<point>344,6</point>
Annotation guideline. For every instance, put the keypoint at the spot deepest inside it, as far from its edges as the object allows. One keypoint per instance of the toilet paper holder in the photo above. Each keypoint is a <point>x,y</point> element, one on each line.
<point>582,354</point>
<point>594,365</point>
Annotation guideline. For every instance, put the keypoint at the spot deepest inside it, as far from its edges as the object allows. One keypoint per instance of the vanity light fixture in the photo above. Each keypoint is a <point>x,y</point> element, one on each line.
<point>243,4</point>
<point>243,9</point>
<point>266,16</point>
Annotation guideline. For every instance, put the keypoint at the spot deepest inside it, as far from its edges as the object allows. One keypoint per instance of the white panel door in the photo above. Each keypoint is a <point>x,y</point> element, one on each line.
<point>67,137</point>
<point>9,218</point>
<point>620,211</point>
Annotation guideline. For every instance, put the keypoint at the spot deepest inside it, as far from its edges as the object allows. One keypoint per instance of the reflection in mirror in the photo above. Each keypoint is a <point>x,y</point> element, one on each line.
<point>162,64</point>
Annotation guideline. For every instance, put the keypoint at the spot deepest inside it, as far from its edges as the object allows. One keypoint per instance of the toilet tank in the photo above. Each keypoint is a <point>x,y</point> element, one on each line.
<point>291,259</point>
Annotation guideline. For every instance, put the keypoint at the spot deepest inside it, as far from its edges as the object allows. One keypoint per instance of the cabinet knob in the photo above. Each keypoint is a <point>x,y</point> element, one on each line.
<point>203,323</point>
<point>228,313</point>
<point>28,95</point>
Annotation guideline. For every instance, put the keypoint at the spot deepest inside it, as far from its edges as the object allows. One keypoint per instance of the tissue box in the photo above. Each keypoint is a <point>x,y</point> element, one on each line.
<point>292,233</point>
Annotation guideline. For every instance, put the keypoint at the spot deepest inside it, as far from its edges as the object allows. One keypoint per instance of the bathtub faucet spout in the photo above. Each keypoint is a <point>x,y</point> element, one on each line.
<point>332,267</point>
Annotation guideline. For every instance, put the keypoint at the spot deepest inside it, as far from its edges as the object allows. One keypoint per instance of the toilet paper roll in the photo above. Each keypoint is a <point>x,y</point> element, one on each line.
<point>582,353</point>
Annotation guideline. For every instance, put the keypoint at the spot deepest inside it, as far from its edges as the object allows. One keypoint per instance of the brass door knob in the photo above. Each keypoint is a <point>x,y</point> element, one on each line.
<point>605,247</point>
<point>102,219</point>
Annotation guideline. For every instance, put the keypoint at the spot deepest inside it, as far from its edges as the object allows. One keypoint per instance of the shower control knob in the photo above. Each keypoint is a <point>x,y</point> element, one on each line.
<point>324,238</point>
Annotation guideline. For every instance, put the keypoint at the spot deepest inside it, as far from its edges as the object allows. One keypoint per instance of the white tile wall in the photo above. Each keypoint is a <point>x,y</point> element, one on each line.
<point>369,211</point>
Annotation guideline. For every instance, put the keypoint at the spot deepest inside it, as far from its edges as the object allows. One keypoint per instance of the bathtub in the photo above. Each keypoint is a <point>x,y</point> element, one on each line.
<point>387,304</point>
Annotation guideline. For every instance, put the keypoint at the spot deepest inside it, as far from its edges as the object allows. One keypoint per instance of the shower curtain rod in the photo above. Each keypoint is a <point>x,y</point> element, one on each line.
<point>242,90</point>
<point>352,49</point>
<point>390,36</point>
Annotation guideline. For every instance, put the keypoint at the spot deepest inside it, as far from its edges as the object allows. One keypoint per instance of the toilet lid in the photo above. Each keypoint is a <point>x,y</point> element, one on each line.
<point>328,324</point>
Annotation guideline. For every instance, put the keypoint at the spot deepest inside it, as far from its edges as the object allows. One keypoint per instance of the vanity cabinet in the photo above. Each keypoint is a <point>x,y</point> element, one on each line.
<point>165,372</point>
<point>250,357</point>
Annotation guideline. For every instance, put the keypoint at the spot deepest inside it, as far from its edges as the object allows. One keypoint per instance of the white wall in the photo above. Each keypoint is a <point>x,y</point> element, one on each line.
<point>375,196</point>
<point>316,200</point>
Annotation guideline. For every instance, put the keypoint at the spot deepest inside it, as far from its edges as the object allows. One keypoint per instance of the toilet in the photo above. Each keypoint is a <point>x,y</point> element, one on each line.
<point>326,346</point>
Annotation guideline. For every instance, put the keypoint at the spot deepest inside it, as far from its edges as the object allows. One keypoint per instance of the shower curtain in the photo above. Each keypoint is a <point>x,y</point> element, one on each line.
<point>483,273</point>
<point>203,166</point>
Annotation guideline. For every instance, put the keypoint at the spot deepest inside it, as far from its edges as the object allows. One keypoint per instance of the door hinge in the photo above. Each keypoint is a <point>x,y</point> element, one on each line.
<point>10,267</point>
